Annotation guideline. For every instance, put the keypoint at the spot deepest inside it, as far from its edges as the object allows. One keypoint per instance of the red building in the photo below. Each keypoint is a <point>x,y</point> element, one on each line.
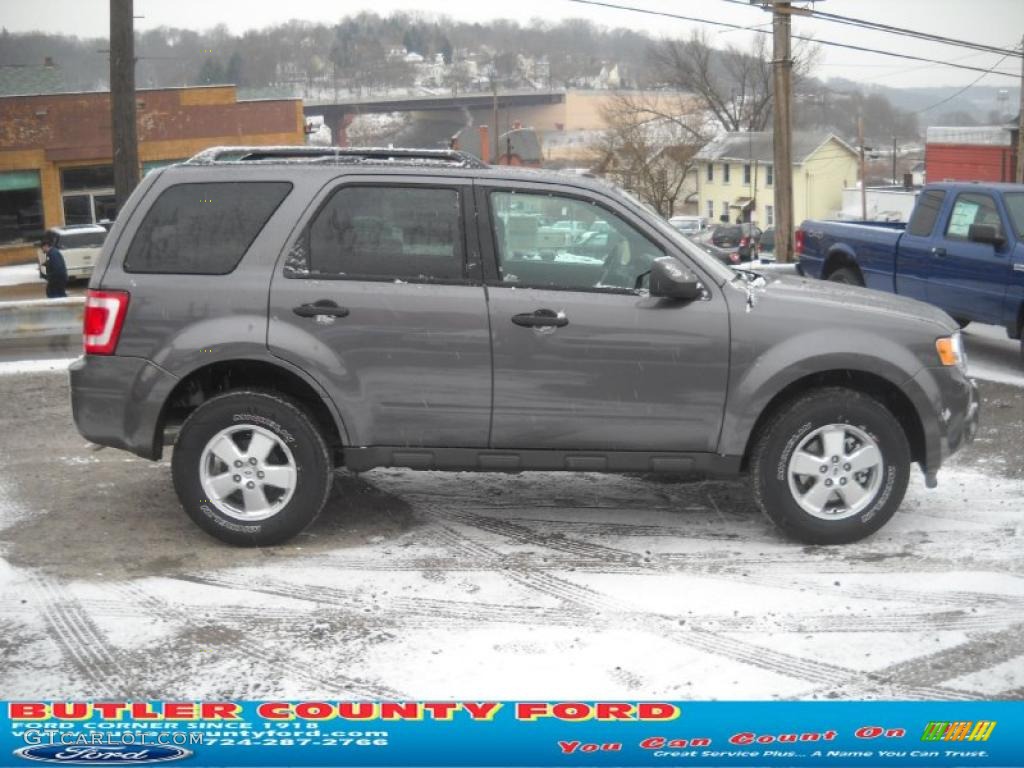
<point>970,153</point>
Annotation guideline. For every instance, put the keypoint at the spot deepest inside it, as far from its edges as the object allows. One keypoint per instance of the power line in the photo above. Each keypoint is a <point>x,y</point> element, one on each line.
<point>831,43</point>
<point>965,88</point>
<point>903,31</point>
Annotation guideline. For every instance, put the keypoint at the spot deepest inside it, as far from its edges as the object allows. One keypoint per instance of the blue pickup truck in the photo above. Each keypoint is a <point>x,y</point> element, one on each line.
<point>962,250</point>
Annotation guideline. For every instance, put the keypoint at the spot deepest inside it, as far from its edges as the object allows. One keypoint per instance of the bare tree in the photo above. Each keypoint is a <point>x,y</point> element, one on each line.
<point>649,147</point>
<point>733,85</point>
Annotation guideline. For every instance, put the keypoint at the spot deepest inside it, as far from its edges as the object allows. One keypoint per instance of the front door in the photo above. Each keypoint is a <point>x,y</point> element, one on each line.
<point>583,358</point>
<point>968,279</point>
<point>380,300</point>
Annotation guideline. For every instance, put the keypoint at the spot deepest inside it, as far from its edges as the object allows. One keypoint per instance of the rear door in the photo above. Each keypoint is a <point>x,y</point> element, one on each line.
<point>915,251</point>
<point>582,359</point>
<point>380,299</point>
<point>969,280</point>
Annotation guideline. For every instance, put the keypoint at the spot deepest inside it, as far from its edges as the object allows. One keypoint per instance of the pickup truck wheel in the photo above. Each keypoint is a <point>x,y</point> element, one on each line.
<point>831,466</point>
<point>251,468</point>
<point>847,276</point>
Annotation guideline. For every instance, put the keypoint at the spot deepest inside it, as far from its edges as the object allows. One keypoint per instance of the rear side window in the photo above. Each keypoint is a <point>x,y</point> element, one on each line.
<point>922,220</point>
<point>203,229</point>
<point>381,233</point>
<point>82,239</point>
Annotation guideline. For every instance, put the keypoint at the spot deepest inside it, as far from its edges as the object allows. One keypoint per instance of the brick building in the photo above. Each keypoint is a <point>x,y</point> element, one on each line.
<point>55,150</point>
<point>971,153</point>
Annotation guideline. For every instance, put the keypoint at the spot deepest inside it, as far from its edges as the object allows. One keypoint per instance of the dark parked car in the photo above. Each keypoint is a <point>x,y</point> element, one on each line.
<point>728,256</point>
<point>742,237</point>
<point>278,313</point>
<point>766,245</point>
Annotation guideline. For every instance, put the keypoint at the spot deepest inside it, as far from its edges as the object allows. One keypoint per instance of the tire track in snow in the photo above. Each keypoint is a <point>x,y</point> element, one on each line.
<point>785,664</point>
<point>579,601</point>
<point>82,643</point>
<point>338,685</point>
<point>923,673</point>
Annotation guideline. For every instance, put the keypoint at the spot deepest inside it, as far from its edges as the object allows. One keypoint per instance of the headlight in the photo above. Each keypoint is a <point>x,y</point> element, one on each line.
<point>951,351</point>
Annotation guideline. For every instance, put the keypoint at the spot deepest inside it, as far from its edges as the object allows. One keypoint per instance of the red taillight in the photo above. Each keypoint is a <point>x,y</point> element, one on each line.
<point>734,258</point>
<point>744,242</point>
<point>102,321</point>
<point>798,242</point>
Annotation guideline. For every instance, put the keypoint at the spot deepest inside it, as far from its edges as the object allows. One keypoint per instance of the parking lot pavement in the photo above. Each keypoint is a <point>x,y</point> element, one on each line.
<point>539,585</point>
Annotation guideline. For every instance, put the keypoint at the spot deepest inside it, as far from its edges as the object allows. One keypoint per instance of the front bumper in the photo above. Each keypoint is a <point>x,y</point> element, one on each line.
<point>949,406</point>
<point>117,402</point>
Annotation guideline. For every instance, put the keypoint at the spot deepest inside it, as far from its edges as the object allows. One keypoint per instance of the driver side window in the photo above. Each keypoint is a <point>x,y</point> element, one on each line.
<point>558,242</point>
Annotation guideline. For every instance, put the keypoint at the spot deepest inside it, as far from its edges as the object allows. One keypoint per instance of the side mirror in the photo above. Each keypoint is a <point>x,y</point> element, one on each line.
<point>985,233</point>
<point>671,280</point>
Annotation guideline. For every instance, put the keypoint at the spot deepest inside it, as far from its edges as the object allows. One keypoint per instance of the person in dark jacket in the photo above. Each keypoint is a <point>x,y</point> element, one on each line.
<point>56,269</point>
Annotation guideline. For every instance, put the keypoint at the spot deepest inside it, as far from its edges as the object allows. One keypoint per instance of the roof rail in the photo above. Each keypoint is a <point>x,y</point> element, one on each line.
<point>334,155</point>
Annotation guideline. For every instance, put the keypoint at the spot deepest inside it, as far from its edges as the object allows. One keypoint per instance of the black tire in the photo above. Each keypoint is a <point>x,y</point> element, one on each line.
<point>847,276</point>
<point>782,435</point>
<point>293,426</point>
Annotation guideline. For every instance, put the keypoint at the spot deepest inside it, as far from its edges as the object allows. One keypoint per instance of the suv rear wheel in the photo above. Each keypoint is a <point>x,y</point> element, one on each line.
<point>251,468</point>
<point>831,466</point>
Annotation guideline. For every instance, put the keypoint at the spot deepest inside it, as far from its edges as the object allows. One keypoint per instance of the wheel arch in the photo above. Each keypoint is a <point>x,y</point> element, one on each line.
<point>840,256</point>
<point>222,376</point>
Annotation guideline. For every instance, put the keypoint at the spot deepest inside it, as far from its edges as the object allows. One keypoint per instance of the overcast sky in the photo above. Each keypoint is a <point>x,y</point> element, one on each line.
<point>994,22</point>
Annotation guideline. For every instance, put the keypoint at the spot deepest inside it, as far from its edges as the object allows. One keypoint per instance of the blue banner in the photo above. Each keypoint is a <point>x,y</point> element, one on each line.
<point>503,733</point>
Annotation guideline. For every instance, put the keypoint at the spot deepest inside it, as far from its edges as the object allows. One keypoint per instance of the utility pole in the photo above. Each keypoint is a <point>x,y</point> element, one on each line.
<point>894,160</point>
<point>1020,122</point>
<point>782,71</point>
<point>124,134</point>
<point>863,177</point>
<point>494,107</point>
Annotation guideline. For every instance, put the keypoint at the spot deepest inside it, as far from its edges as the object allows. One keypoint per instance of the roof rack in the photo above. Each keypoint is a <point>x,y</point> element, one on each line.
<point>335,155</point>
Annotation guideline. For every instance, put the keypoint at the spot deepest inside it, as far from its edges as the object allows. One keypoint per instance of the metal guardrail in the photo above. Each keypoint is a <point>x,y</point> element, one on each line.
<point>41,317</point>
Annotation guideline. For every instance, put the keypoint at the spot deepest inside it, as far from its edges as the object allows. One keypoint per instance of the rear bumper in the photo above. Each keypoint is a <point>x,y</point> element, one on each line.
<point>117,401</point>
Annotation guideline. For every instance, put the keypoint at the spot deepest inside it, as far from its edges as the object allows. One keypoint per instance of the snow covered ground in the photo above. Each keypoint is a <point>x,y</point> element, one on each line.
<point>462,586</point>
<point>19,274</point>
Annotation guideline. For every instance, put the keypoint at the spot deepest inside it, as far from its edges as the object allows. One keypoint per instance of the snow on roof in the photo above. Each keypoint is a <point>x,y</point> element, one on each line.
<point>981,135</point>
<point>757,145</point>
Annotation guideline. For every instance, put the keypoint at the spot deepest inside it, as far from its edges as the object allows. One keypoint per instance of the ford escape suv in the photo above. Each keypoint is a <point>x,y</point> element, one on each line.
<point>276,313</point>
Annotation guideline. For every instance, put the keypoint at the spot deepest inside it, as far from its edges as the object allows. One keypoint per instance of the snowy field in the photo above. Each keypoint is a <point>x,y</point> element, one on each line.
<point>489,586</point>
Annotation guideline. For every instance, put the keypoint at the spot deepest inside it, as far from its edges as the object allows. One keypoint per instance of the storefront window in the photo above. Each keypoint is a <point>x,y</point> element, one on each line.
<point>21,207</point>
<point>88,194</point>
<point>87,177</point>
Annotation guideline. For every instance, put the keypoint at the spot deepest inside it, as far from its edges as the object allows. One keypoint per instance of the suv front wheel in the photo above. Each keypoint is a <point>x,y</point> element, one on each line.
<point>251,468</point>
<point>831,466</point>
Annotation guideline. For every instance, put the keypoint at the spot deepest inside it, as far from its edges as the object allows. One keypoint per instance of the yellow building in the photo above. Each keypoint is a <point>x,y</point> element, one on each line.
<point>736,177</point>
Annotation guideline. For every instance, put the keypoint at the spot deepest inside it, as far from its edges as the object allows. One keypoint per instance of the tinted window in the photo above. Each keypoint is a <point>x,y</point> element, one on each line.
<point>601,251</point>
<point>972,208</point>
<point>203,229</point>
<point>81,239</point>
<point>922,220</point>
<point>387,233</point>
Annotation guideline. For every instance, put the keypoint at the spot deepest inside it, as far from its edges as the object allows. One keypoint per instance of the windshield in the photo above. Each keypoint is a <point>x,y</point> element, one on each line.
<point>1015,205</point>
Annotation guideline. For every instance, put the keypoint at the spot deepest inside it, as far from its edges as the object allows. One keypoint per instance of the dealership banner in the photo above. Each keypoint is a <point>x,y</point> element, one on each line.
<point>504,733</point>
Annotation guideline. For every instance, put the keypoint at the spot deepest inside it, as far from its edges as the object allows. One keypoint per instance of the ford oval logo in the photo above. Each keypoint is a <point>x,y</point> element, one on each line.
<point>101,755</point>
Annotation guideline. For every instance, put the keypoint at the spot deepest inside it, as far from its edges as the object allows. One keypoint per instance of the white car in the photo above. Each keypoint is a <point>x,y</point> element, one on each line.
<point>80,244</point>
<point>689,225</point>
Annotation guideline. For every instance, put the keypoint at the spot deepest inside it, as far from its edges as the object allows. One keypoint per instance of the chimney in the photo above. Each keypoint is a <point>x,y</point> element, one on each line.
<point>485,144</point>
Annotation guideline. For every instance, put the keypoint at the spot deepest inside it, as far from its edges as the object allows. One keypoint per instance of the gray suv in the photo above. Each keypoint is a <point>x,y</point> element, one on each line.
<point>276,313</point>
